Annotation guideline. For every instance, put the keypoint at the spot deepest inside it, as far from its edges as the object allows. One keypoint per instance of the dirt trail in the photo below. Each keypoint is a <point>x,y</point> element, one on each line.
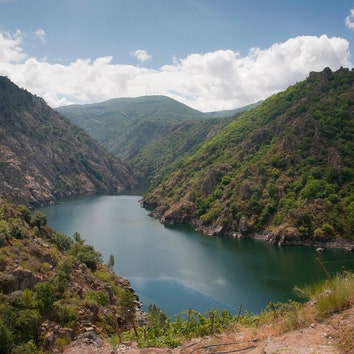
<point>334,335</point>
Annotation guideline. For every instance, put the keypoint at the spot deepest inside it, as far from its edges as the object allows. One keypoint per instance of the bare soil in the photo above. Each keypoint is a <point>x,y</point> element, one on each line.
<point>334,335</point>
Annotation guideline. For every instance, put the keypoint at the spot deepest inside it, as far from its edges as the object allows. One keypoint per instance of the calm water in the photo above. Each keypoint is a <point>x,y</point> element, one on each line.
<point>177,268</point>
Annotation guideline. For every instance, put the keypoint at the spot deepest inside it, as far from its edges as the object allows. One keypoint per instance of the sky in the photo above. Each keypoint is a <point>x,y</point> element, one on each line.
<point>209,54</point>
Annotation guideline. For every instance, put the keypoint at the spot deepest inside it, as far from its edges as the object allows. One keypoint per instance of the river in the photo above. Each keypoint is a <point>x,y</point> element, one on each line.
<point>177,268</point>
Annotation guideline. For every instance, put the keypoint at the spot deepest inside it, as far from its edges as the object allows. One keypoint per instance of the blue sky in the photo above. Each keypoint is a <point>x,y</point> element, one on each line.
<point>209,54</point>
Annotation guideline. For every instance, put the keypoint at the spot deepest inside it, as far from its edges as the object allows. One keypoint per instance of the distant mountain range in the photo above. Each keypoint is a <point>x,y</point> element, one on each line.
<point>43,156</point>
<point>148,132</point>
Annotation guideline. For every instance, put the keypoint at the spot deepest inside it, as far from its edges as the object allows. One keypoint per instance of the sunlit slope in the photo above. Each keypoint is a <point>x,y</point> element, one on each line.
<point>285,167</point>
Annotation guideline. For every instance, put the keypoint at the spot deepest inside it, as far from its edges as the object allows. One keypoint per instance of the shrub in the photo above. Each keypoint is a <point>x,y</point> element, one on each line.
<point>26,325</point>
<point>99,297</point>
<point>62,241</point>
<point>27,348</point>
<point>331,295</point>
<point>25,213</point>
<point>6,282</point>
<point>2,239</point>
<point>66,315</point>
<point>6,339</point>
<point>85,253</point>
<point>39,219</point>
<point>45,296</point>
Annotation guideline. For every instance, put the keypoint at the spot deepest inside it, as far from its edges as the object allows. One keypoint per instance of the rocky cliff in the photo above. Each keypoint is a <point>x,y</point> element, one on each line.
<point>43,156</point>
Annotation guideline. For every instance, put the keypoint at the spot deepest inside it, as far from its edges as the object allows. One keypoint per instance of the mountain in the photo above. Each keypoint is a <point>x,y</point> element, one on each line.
<point>108,121</point>
<point>283,170</point>
<point>147,132</point>
<point>43,156</point>
<point>231,112</point>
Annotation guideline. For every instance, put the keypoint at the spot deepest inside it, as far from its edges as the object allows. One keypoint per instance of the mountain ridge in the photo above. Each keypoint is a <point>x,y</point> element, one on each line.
<point>284,167</point>
<point>147,132</point>
<point>44,156</point>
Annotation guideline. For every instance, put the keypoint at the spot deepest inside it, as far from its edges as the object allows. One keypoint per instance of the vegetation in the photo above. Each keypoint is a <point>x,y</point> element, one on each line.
<point>326,298</point>
<point>150,132</point>
<point>44,156</point>
<point>50,282</point>
<point>284,167</point>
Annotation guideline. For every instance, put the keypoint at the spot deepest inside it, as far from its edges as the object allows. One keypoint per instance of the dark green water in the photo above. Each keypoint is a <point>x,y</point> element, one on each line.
<point>177,268</point>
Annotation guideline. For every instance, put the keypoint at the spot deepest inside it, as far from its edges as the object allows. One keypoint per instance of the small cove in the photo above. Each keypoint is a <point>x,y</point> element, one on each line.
<point>177,268</point>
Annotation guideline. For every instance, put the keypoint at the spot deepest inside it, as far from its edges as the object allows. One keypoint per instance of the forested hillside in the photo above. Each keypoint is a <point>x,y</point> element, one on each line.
<point>284,168</point>
<point>149,132</point>
<point>43,156</point>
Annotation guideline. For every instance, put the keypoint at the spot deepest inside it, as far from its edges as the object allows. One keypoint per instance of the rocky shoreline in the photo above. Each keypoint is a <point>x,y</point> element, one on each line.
<point>281,240</point>
<point>278,239</point>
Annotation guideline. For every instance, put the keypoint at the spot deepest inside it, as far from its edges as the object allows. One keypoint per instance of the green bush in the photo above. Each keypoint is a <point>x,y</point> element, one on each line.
<point>27,348</point>
<point>39,219</point>
<point>85,253</point>
<point>66,315</point>
<point>6,282</point>
<point>26,325</point>
<point>99,297</point>
<point>6,339</point>
<point>62,241</point>
<point>45,295</point>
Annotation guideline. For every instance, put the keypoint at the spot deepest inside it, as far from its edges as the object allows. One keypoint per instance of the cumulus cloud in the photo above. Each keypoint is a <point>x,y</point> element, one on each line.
<point>211,81</point>
<point>141,55</point>
<point>41,35</point>
<point>10,49</point>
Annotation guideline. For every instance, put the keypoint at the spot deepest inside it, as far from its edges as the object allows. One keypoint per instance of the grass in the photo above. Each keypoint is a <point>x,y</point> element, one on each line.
<point>324,298</point>
<point>332,295</point>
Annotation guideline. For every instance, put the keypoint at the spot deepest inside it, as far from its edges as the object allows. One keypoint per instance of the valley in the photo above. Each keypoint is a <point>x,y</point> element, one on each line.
<point>280,171</point>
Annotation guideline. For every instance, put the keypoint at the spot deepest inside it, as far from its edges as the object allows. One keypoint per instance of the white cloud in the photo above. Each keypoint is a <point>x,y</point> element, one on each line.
<point>211,81</point>
<point>349,20</point>
<point>141,55</point>
<point>41,35</point>
<point>10,50</point>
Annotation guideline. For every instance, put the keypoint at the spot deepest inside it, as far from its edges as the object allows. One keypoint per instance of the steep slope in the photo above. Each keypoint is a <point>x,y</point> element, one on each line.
<point>43,156</point>
<point>285,168</point>
<point>54,287</point>
<point>157,145</point>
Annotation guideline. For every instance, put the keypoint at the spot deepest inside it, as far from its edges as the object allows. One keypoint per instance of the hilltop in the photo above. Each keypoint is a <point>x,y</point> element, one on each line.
<point>43,156</point>
<point>282,171</point>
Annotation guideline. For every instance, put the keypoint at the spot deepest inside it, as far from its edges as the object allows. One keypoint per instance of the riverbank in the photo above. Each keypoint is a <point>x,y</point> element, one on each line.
<point>280,239</point>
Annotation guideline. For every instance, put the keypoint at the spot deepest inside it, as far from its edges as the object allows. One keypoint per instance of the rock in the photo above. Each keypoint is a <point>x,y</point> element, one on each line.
<point>24,278</point>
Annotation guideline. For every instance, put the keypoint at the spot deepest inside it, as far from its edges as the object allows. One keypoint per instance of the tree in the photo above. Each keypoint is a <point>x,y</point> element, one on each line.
<point>110,263</point>
<point>39,219</point>
<point>6,339</point>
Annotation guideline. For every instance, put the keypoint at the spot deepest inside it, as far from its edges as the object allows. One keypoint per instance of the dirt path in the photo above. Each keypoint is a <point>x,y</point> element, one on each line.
<point>335,335</point>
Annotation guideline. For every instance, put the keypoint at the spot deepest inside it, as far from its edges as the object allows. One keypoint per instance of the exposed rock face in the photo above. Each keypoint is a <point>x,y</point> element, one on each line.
<point>43,156</point>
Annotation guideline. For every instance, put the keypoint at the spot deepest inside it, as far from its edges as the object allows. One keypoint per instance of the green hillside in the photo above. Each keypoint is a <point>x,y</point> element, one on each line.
<point>53,287</point>
<point>149,132</point>
<point>109,121</point>
<point>284,168</point>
